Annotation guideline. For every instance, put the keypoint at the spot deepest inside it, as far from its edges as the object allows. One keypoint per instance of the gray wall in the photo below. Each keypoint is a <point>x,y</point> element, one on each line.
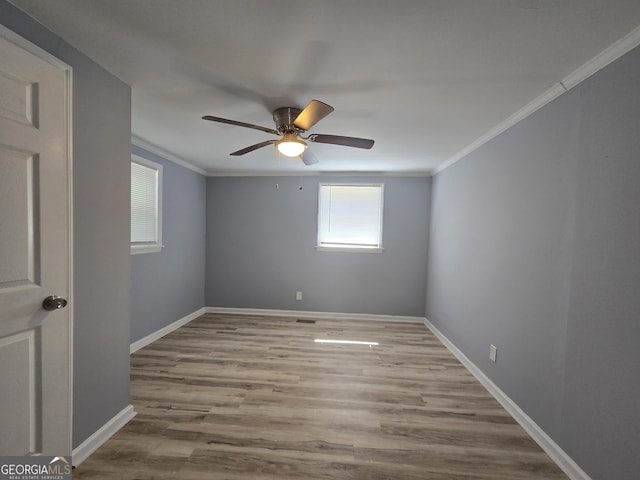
<point>169,285</point>
<point>534,247</point>
<point>260,248</point>
<point>101,172</point>
<point>602,387</point>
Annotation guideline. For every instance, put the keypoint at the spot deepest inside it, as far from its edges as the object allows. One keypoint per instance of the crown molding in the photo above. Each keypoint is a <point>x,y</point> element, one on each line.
<point>314,173</point>
<point>150,147</point>
<point>551,94</point>
<point>579,75</point>
<point>604,58</point>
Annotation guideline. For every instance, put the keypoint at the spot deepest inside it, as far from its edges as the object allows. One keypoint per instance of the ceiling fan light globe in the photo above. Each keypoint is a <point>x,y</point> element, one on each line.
<point>291,147</point>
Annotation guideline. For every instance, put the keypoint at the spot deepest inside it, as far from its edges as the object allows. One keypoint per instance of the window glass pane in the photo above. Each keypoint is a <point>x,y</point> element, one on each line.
<point>144,204</point>
<point>350,216</point>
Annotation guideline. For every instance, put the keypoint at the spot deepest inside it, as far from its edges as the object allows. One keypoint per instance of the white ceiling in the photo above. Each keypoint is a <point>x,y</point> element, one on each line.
<point>425,79</point>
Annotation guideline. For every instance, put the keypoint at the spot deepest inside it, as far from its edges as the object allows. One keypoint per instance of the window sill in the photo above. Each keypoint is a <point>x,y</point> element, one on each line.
<point>146,249</point>
<point>322,248</point>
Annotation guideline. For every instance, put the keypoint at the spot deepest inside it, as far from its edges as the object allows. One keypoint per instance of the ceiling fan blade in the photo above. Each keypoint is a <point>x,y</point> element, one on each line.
<point>340,140</point>
<point>240,124</point>
<point>312,114</point>
<point>253,147</point>
<point>308,157</point>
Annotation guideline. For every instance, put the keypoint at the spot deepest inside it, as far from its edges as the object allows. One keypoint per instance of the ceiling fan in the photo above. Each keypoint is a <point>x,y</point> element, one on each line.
<point>291,123</point>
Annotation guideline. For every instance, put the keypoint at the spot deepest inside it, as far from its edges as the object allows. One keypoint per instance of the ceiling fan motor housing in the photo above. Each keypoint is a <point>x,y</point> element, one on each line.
<point>284,118</point>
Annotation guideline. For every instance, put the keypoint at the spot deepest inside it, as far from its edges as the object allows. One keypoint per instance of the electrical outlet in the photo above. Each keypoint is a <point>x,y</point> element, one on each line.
<point>493,353</point>
<point>298,295</point>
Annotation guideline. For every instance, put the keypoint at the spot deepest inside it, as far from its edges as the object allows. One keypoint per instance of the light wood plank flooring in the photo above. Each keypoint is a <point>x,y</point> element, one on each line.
<point>249,397</point>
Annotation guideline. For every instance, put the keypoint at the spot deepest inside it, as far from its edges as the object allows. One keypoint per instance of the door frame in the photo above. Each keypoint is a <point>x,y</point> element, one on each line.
<point>13,37</point>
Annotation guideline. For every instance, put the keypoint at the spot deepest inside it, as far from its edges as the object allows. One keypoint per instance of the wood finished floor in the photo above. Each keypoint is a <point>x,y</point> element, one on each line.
<point>250,397</point>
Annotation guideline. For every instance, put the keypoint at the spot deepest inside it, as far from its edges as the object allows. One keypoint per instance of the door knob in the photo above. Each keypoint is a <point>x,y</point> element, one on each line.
<point>54,302</point>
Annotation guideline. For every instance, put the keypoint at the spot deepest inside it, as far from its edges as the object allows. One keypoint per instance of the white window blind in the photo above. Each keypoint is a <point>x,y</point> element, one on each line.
<point>350,216</point>
<point>145,206</point>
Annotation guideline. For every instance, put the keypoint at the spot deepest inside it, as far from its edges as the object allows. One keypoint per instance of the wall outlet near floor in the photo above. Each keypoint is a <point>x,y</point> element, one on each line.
<point>493,353</point>
<point>298,295</point>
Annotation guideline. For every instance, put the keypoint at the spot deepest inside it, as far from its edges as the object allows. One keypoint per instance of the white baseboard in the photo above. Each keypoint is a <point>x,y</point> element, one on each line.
<point>104,433</point>
<point>551,448</point>
<point>318,315</point>
<point>152,337</point>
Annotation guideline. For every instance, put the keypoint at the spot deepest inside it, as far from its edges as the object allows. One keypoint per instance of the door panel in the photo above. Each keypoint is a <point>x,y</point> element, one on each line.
<point>35,346</point>
<point>18,217</point>
<point>20,399</point>
<point>18,102</point>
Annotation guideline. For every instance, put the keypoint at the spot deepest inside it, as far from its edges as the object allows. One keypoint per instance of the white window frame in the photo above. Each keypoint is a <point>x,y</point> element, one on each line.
<point>157,245</point>
<point>355,248</point>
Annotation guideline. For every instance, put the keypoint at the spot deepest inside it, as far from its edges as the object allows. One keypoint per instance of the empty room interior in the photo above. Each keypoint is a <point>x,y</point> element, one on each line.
<point>441,282</point>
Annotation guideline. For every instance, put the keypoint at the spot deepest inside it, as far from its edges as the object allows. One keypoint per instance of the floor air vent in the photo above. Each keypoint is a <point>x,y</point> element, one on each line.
<point>303,320</point>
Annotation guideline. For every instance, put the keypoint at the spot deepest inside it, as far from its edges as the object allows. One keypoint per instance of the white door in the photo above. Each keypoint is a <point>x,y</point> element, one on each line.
<point>35,344</point>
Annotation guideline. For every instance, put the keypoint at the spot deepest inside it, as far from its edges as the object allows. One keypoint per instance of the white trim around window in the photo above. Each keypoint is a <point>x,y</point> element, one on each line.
<point>146,206</point>
<point>350,217</point>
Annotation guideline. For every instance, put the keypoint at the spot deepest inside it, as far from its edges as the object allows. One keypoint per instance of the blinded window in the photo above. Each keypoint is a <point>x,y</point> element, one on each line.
<point>350,216</point>
<point>146,181</point>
